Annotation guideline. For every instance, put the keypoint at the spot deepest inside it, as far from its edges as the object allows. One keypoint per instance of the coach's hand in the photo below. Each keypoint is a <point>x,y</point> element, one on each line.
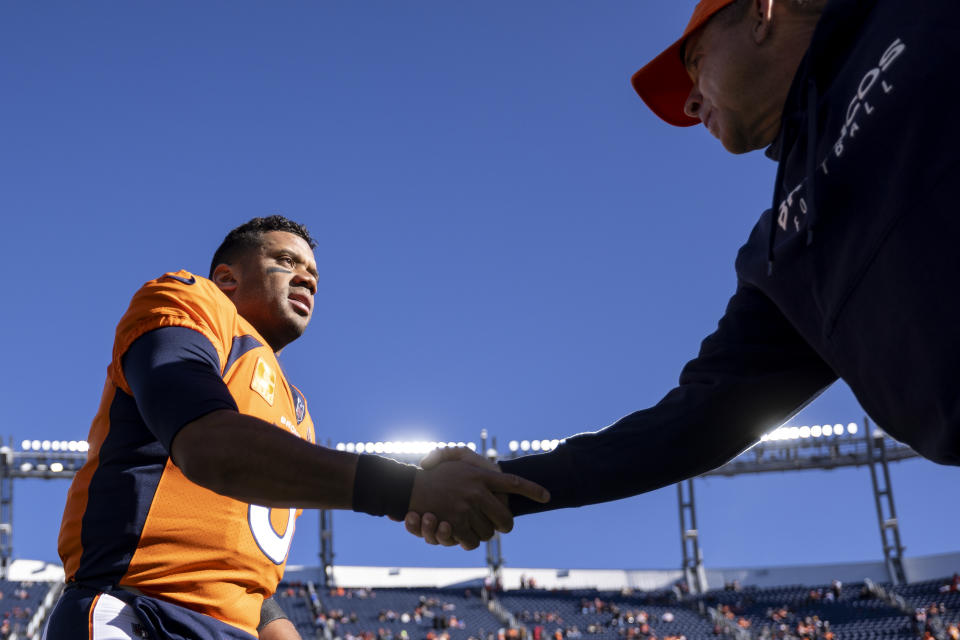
<point>427,526</point>
<point>457,487</point>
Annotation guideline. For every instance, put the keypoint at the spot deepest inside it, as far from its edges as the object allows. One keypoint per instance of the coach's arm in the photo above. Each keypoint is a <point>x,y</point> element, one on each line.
<point>752,374</point>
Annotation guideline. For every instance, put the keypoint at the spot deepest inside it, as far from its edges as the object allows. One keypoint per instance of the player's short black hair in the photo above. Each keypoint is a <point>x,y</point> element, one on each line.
<point>248,236</point>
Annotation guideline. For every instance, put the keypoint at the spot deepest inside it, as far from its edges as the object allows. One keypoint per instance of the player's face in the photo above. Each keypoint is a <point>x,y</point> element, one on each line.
<point>736,93</point>
<point>276,283</point>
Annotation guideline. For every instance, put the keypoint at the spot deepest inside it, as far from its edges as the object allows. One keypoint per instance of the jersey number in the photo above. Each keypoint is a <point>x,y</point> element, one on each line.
<point>273,545</point>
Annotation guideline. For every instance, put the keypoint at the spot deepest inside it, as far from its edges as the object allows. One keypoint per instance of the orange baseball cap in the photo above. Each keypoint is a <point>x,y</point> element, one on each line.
<point>663,83</point>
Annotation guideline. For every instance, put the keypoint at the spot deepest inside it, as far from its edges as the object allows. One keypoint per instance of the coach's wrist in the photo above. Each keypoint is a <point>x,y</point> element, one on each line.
<point>382,486</point>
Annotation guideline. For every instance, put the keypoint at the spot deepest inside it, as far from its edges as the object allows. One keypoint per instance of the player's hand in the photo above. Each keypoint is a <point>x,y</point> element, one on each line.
<point>462,494</point>
<point>427,526</point>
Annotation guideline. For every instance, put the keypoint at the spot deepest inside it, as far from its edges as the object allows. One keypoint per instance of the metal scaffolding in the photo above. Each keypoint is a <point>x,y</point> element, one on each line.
<point>326,548</point>
<point>693,572</point>
<point>48,464</point>
<point>6,513</point>
<point>883,498</point>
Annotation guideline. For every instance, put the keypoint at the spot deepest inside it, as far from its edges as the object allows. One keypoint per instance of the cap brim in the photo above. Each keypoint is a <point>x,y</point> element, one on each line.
<point>664,85</point>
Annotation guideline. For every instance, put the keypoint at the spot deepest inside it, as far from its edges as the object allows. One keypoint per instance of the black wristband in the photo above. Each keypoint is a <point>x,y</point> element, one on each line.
<point>382,486</point>
<point>269,612</point>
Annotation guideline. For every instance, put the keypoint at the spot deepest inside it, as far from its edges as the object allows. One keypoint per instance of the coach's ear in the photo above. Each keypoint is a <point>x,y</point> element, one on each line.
<point>762,19</point>
<point>224,276</point>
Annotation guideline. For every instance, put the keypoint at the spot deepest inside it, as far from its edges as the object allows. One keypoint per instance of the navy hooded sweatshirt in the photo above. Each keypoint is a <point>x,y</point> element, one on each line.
<point>854,273</point>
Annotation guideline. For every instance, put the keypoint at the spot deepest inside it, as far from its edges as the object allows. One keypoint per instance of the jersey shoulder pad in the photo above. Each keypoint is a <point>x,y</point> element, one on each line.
<point>176,299</point>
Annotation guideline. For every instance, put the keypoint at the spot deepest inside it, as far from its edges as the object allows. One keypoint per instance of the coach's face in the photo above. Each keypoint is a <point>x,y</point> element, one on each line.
<point>273,286</point>
<point>742,72</point>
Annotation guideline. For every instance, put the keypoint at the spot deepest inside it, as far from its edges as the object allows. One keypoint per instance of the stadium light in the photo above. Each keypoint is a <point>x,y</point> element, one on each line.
<point>524,445</point>
<point>56,467</point>
<point>806,432</point>
<point>514,445</point>
<point>401,447</point>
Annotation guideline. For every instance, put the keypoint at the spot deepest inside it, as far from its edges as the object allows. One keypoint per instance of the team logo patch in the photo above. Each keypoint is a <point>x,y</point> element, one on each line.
<point>264,381</point>
<point>299,405</point>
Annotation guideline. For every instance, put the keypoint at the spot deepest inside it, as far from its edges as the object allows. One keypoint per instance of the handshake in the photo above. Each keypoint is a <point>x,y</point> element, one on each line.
<point>460,497</point>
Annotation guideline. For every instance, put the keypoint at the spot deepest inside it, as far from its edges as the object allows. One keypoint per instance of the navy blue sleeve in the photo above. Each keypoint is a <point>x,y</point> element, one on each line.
<point>751,375</point>
<point>174,373</point>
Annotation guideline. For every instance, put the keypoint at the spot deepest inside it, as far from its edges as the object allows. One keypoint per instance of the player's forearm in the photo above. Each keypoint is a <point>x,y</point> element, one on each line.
<point>253,461</point>
<point>274,624</point>
<point>281,629</point>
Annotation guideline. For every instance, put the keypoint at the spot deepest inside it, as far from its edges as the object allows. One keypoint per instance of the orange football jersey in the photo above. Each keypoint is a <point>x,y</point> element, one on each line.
<point>132,520</point>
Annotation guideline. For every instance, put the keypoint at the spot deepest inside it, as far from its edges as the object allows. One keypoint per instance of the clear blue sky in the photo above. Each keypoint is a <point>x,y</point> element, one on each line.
<point>509,240</point>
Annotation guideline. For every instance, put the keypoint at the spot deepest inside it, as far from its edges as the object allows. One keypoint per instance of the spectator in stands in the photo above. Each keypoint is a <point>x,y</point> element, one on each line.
<point>935,624</point>
<point>837,588</point>
<point>953,586</point>
<point>919,620</point>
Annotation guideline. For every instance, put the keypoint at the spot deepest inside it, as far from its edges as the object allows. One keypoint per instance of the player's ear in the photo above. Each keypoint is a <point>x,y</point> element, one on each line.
<point>225,277</point>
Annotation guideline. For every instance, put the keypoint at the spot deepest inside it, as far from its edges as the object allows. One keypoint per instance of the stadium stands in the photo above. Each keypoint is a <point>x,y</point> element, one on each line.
<point>409,613</point>
<point>18,603</point>
<point>843,611</point>
<point>828,612</point>
<point>935,606</point>
<point>604,615</point>
<point>928,610</point>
